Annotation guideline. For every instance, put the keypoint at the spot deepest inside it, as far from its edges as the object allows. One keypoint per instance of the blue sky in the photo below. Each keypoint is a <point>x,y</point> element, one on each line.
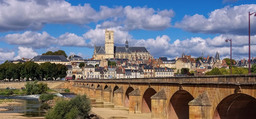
<point>164,27</point>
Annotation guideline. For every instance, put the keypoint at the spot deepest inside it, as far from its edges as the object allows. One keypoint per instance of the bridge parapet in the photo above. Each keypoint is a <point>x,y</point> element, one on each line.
<point>220,79</point>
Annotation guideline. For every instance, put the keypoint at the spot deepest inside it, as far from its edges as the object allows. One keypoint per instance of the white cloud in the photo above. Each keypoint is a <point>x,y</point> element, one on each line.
<point>34,14</point>
<point>25,52</point>
<point>6,56</point>
<point>30,39</point>
<point>97,36</point>
<point>141,18</point>
<point>195,46</point>
<point>228,20</point>
<point>71,39</point>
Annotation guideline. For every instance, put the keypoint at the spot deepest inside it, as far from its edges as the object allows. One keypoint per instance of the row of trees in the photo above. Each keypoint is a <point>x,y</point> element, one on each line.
<point>235,70</point>
<point>32,70</point>
<point>59,52</point>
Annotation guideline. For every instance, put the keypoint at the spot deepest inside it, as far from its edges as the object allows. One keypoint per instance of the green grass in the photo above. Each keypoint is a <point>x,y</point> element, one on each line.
<point>7,92</point>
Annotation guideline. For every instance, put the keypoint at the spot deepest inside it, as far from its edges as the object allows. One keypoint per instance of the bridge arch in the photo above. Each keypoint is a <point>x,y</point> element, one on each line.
<point>114,89</point>
<point>236,106</point>
<point>106,86</point>
<point>146,100</point>
<point>178,105</point>
<point>126,99</point>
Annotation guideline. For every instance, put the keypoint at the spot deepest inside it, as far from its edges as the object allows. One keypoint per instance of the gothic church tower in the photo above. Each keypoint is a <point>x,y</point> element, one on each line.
<point>109,44</point>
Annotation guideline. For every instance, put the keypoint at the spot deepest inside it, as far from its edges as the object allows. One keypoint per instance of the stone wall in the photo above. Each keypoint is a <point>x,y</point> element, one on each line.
<point>18,85</point>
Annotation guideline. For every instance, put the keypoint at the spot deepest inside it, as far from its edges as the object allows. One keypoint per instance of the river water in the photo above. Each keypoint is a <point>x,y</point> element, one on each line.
<point>30,105</point>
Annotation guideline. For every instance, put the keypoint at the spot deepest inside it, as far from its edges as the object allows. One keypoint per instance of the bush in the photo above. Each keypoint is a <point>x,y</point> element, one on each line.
<point>45,106</point>
<point>34,88</point>
<point>46,97</point>
<point>78,107</point>
<point>66,90</point>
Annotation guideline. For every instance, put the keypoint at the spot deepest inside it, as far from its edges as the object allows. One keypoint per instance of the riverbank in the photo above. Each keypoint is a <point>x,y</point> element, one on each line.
<point>7,107</point>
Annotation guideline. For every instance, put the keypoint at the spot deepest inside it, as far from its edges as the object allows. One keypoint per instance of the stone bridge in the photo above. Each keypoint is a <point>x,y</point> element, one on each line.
<point>203,97</point>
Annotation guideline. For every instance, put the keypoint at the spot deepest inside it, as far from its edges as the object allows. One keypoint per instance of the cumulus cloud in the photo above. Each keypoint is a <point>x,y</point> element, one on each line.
<point>141,18</point>
<point>71,39</point>
<point>97,36</point>
<point>6,55</point>
<point>25,52</point>
<point>196,46</point>
<point>34,14</point>
<point>30,39</point>
<point>228,20</point>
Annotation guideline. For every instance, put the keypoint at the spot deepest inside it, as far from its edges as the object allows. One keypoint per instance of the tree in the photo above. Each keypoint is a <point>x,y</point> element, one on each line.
<point>184,71</point>
<point>59,52</point>
<point>110,63</point>
<point>253,69</point>
<point>199,58</point>
<point>31,70</point>
<point>81,65</point>
<point>35,88</point>
<point>228,61</point>
<point>214,71</point>
<point>77,108</point>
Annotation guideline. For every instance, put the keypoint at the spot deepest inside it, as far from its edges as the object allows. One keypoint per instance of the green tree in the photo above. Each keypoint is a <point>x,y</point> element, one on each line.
<point>31,70</point>
<point>59,52</point>
<point>228,61</point>
<point>199,58</point>
<point>81,65</point>
<point>78,107</point>
<point>214,71</point>
<point>35,88</point>
<point>111,63</point>
<point>253,69</point>
<point>184,71</point>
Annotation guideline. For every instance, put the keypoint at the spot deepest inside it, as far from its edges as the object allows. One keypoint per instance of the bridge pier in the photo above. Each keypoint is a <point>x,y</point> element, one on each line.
<point>200,107</point>
<point>159,105</point>
<point>107,94</point>
<point>99,93</point>
<point>118,97</point>
<point>92,92</point>
<point>134,101</point>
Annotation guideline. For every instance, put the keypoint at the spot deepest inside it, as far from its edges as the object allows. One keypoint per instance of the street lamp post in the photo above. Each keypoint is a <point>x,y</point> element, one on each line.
<point>249,61</point>
<point>231,62</point>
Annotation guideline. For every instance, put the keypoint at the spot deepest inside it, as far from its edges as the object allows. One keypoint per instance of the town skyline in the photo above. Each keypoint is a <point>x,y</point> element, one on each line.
<point>164,28</point>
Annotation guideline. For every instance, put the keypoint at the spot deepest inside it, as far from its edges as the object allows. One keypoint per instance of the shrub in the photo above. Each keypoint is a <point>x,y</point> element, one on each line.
<point>46,97</point>
<point>34,88</point>
<point>45,106</point>
<point>78,107</point>
<point>66,90</point>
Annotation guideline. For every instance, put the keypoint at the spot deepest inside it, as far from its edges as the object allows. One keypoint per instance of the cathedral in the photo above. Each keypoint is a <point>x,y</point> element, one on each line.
<point>110,51</point>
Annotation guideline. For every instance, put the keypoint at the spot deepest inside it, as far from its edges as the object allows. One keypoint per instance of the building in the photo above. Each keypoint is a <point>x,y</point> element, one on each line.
<point>57,59</point>
<point>111,51</point>
<point>163,72</point>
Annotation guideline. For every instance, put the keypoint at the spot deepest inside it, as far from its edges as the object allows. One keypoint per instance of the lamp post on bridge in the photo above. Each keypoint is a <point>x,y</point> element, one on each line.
<point>231,62</point>
<point>249,61</point>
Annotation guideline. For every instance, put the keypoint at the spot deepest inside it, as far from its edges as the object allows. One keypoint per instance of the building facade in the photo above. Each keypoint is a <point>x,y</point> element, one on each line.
<point>110,51</point>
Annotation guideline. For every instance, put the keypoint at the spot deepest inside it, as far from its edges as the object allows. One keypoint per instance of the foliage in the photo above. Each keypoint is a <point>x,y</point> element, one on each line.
<point>59,52</point>
<point>78,107</point>
<point>110,63</point>
<point>81,65</point>
<point>199,58</point>
<point>184,71</point>
<point>253,69</point>
<point>228,61</point>
<point>31,70</point>
<point>214,71</point>
<point>66,90</point>
<point>45,106</point>
<point>7,92</point>
<point>46,97</point>
<point>35,88</point>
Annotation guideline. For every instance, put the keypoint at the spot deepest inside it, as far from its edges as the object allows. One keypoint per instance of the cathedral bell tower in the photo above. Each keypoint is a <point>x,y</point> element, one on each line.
<point>109,44</point>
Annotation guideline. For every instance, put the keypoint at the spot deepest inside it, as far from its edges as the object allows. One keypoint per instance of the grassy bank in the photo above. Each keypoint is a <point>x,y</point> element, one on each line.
<point>8,92</point>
